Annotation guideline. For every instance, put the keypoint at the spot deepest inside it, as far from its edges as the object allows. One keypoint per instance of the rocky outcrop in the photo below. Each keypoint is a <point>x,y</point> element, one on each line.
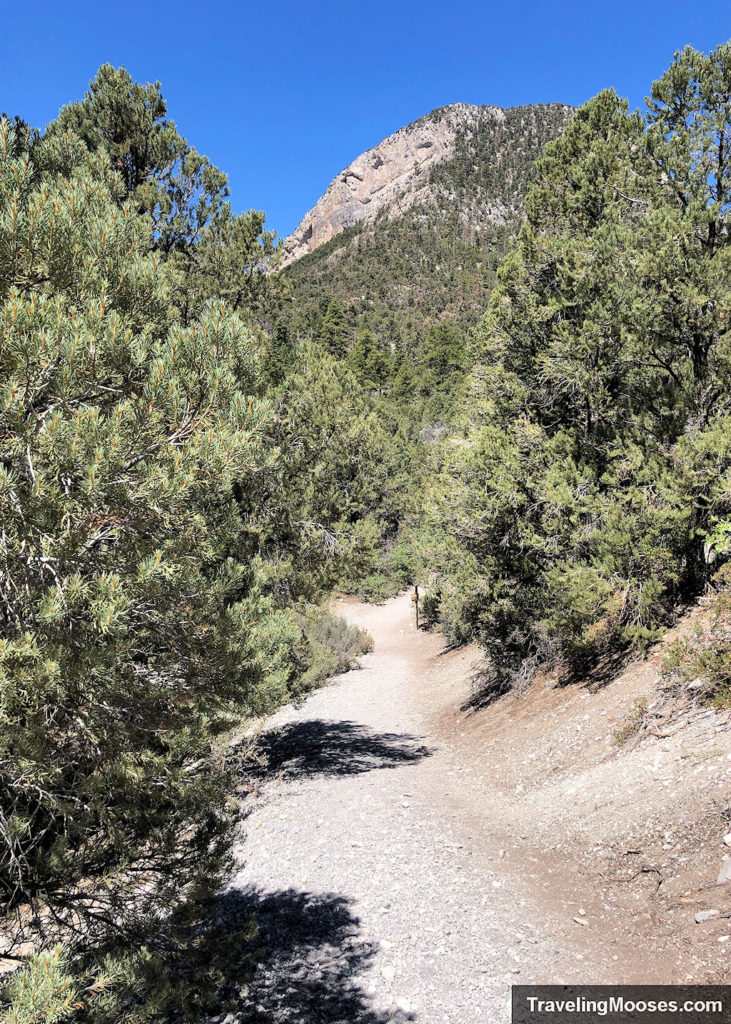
<point>391,177</point>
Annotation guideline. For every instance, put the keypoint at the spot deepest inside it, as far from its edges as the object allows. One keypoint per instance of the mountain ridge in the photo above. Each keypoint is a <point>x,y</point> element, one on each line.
<point>396,174</point>
<point>426,247</point>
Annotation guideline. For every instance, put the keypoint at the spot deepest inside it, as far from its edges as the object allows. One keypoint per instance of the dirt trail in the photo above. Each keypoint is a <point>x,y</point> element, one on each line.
<point>408,860</point>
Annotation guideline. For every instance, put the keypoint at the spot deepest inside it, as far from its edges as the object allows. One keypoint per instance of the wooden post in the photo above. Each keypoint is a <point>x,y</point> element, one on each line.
<point>415,599</point>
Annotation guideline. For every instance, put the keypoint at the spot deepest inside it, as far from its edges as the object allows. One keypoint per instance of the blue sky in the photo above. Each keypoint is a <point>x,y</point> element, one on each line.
<point>283,95</point>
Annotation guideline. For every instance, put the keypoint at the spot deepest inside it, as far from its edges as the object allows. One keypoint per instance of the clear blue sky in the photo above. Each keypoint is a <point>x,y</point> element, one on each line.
<point>282,94</point>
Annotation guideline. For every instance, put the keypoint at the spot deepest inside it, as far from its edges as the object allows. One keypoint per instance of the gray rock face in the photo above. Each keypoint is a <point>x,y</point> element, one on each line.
<point>393,176</point>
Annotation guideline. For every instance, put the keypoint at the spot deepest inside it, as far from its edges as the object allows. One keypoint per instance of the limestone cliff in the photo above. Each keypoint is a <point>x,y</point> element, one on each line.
<point>414,230</point>
<point>398,173</point>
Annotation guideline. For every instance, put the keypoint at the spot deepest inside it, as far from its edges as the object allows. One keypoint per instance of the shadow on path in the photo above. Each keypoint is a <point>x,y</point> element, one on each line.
<point>253,957</point>
<point>309,955</point>
<point>318,747</point>
<point>485,689</point>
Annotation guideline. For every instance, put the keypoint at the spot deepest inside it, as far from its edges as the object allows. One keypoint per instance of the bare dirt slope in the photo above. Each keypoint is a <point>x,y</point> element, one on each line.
<point>413,855</point>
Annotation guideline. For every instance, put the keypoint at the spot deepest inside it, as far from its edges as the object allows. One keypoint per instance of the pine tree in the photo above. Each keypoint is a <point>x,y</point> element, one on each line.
<point>129,619</point>
<point>594,479</point>
<point>321,514</point>
<point>334,330</point>
<point>211,253</point>
<point>163,532</point>
<point>280,355</point>
<point>403,387</point>
<point>361,356</point>
<point>369,362</point>
<point>442,357</point>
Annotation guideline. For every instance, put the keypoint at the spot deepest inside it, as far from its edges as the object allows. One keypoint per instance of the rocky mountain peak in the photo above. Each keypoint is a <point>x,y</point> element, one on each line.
<point>392,176</point>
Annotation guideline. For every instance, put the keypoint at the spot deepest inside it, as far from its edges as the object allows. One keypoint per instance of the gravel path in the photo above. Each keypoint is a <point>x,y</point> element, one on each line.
<point>374,860</point>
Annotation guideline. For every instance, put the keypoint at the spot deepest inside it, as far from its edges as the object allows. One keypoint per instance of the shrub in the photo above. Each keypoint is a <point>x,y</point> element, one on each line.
<point>701,663</point>
<point>633,722</point>
<point>128,617</point>
<point>330,646</point>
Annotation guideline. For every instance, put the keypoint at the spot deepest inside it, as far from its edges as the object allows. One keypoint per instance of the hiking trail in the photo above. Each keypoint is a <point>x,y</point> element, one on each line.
<point>408,861</point>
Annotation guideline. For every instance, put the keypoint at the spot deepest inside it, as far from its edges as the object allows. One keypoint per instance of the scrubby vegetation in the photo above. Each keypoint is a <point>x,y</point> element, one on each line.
<point>701,663</point>
<point>632,723</point>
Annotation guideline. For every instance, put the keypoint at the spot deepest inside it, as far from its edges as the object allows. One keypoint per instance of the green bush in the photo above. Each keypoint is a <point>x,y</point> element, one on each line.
<point>129,618</point>
<point>633,722</point>
<point>702,661</point>
<point>331,646</point>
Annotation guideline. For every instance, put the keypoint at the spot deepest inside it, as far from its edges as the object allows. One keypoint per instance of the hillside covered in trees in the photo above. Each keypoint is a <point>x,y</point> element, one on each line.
<point>437,259</point>
<point>531,419</point>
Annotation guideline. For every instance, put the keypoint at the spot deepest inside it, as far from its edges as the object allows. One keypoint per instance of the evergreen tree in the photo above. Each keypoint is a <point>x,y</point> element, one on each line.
<point>380,368</point>
<point>320,516</point>
<point>370,363</point>
<point>403,387</point>
<point>129,619</point>
<point>211,252</point>
<point>442,357</point>
<point>361,355</point>
<point>280,355</point>
<point>334,330</point>
<point>585,500</point>
<point>160,172</point>
<point>163,531</point>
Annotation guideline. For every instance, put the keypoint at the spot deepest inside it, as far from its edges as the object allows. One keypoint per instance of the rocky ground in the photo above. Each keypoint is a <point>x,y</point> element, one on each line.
<point>413,851</point>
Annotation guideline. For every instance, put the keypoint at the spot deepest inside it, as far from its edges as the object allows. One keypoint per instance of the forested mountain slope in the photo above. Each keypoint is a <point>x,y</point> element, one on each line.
<point>414,229</point>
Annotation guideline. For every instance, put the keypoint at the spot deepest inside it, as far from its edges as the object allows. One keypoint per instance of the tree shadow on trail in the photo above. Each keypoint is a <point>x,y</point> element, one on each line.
<point>318,747</point>
<point>486,688</point>
<point>253,957</point>
<point>592,672</point>
<point>595,671</point>
<point>309,956</point>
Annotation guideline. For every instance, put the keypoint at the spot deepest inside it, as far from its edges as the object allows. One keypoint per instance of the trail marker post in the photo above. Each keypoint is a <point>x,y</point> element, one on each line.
<point>415,599</point>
